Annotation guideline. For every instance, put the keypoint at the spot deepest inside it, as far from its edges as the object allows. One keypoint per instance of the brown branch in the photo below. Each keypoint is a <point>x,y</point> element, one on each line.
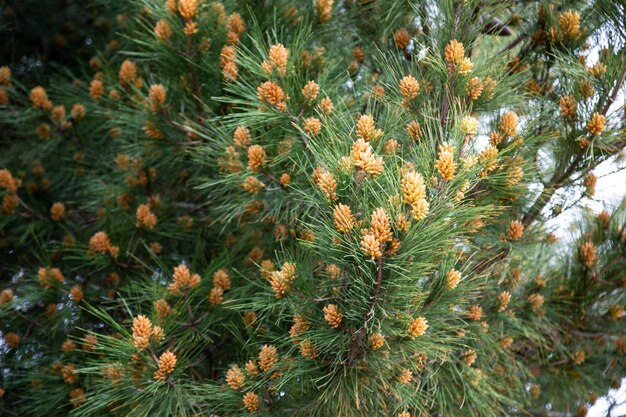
<point>191,316</point>
<point>354,347</point>
<point>30,210</point>
<point>153,356</point>
<point>538,205</point>
<point>612,264</point>
<point>6,410</point>
<point>28,319</point>
<point>376,294</point>
<point>514,43</point>
<point>357,339</point>
<point>194,323</point>
<point>307,298</point>
<point>611,99</point>
<point>593,335</point>
<point>195,84</point>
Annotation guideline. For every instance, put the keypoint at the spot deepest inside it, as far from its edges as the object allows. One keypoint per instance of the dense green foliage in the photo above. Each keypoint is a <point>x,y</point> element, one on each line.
<point>315,208</point>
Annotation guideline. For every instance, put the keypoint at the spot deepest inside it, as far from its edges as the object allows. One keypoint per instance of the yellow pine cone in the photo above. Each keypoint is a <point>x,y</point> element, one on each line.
<point>515,231</point>
<point>445,164</point>
<point>569,24</point>
<point>332,315</point>
<point>409,87</point>
<point>417,327</point>
<point>251,401</point>
<point>402,38</point>
<point>452,279</point>
<point>381,229</point>
<point>508,124</point>
<point>167,362</point>
<point>187,8</point>
<point>596,124</point>
<point>454,53</point>
<point>343,218</point>
<point>376,341</point>
<point>235,378</point>
<point>268,357</point>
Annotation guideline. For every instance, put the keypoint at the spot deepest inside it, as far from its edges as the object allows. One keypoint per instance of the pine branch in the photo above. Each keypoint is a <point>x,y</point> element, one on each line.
<point>557,181</point>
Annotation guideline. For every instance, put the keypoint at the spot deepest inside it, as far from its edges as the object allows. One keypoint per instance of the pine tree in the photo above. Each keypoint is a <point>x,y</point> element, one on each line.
<point>317,208</point>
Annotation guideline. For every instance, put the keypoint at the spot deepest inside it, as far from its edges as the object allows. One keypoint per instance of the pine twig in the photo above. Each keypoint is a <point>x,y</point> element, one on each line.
<point>445,103</point>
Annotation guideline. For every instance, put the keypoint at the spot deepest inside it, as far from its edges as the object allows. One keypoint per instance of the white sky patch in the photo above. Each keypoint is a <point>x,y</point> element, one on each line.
<point>617,396</point>
<point>610,191</point>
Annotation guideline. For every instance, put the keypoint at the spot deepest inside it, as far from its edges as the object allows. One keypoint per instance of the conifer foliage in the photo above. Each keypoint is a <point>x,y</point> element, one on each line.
<point>318,208</point>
